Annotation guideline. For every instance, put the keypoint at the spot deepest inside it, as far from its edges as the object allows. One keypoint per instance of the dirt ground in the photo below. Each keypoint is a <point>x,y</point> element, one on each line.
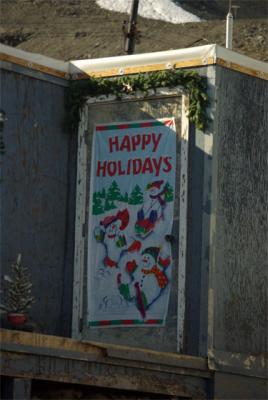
<point>79,29</point>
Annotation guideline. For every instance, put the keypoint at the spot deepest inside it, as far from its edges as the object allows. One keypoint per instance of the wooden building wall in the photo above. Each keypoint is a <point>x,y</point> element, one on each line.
<point>238,284</point>
<point>37,200</point>
<point>227,165</point>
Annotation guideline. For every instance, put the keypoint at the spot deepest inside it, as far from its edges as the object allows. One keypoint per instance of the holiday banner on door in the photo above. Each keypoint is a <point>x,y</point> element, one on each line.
<point>130,213</point>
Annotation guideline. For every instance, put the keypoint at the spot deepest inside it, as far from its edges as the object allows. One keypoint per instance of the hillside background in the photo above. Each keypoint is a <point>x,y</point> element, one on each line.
<point>79,29</point>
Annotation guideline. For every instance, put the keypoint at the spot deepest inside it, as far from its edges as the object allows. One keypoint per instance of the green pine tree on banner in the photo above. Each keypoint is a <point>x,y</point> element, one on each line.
<point>136,196</point>
<point>97,207</point>
<point>114,192</point>
<point>169,193</point>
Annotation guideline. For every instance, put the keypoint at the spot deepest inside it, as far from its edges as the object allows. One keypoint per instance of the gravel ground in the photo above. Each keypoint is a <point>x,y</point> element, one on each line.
<point>79,29</point>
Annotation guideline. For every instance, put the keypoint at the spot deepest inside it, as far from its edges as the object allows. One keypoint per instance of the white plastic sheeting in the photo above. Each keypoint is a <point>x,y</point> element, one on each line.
<point>202,55</point>
<point>35,58</point>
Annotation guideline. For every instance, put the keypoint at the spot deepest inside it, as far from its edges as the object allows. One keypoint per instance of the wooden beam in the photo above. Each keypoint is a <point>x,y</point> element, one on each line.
<point>242,69</point>
<point>35,356</point>
<point>113,358</point>
<point>194,63</point>
<point>198,62</point>
<point>28,342</point>
<point>80,220</point>
<point>47,341</point>
<point>34,66</point>
<point>183,218</point>
<point>54,368</point>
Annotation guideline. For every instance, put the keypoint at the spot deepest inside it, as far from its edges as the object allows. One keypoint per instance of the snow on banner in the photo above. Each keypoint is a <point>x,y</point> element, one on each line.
<point>131,211</point>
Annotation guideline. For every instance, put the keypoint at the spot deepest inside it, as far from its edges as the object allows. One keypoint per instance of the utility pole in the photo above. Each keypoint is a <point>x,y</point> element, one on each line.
<point>132,28</point>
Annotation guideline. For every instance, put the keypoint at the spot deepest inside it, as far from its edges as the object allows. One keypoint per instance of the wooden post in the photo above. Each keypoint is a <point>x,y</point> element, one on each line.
<point>132,28</point>
<point>183,222</point>
<point>16,388</point>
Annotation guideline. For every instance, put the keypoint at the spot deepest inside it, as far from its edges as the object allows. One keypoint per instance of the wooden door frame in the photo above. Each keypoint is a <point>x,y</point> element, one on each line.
<point>80,215</point>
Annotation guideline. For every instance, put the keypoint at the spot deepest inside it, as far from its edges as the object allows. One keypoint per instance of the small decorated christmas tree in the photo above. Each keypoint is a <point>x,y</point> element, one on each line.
<point>18,289</point>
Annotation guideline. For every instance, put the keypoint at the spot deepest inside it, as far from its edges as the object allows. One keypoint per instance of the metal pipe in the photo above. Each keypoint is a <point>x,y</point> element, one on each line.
<point>229,30</point>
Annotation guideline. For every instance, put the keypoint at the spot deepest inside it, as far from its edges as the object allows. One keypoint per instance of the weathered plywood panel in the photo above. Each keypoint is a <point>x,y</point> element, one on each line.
<point>228,386</point>
<point>239,283</point>
<point>34,190</point>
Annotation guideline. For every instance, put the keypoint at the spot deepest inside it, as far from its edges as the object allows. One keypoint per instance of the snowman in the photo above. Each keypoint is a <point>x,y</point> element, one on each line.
<point>147,281</point>
<point>152,209</point>
<point>111,236</point>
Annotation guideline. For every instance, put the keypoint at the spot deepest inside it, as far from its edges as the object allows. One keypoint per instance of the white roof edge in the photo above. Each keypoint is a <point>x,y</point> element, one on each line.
<point>102,64</point>
<point>201,53</point>
<point>35,58</point>
<point>232,57</point>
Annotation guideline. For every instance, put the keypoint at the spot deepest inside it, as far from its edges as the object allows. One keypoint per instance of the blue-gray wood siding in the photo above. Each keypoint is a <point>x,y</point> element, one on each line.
<point>37,202</point>
<point>240,199</point>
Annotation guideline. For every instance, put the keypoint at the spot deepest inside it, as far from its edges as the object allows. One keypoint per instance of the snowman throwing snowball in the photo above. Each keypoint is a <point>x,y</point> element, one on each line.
<point>111,236</point>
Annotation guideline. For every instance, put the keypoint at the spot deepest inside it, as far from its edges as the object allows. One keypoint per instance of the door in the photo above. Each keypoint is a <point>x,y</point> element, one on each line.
<point>129,280</point>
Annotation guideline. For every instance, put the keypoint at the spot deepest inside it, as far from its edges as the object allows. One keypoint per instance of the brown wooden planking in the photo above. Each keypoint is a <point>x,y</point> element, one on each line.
<point>242,69</point>
<point>40,340</point>
<point>56,369</point>
<point>33,66</point>
<point>30,341</point>
<point>106,359</point>
<point>152,356</point>
<point>53,358</point>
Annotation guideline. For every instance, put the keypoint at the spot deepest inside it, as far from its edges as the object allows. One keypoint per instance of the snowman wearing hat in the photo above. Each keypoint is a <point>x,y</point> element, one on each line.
<point>111,236</point>
<point>147,282</point>
<point>152,209</point>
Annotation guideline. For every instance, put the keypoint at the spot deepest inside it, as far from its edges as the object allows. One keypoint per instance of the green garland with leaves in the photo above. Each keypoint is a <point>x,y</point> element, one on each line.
<point>191,81</point>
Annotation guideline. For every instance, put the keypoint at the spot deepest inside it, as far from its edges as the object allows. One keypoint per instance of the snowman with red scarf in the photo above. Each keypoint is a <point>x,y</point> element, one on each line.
<point>147,281</point>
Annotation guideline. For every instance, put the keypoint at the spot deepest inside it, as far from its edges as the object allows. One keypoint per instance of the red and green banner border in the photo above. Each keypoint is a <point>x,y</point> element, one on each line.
<point>110,127</point>
<point>125,322</point>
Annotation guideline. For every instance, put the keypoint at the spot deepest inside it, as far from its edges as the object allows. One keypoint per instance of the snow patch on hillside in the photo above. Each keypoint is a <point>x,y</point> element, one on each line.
<point>164,10</point>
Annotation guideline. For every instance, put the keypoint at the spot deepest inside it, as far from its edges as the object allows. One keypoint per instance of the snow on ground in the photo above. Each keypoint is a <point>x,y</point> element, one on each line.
<point>164,10</point>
